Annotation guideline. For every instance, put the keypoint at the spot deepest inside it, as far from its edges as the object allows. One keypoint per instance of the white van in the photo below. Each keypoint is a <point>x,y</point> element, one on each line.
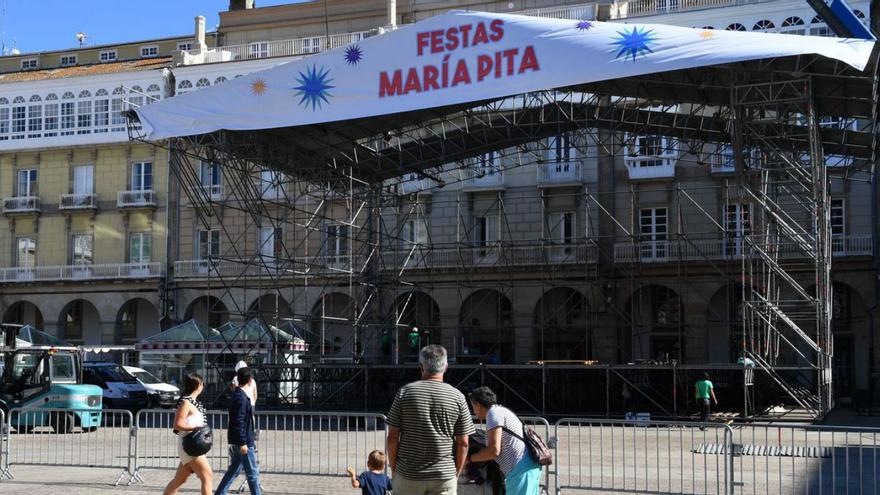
<point>160,394</point>
<point>121,389</point>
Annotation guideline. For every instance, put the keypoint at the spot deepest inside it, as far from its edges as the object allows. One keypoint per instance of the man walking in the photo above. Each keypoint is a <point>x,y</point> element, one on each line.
<point>240,435</point>
<point>705,390</point>
<point>428,428</point>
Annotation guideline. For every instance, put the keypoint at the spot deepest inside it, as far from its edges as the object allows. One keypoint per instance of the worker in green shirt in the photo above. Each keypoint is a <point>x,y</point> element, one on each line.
<point>413,338</point>
<point>705,391</point>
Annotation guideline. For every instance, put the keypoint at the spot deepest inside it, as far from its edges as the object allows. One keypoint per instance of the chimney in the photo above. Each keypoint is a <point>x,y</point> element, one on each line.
<point>241,4</point>
<point>200,33</point>
<point>392,13</point>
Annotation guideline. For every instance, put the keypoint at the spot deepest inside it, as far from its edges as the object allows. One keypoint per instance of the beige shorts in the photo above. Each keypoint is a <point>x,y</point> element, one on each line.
<point>403,486</point>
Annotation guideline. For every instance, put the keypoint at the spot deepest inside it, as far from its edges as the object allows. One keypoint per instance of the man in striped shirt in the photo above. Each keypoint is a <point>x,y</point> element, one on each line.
<point>428,428</point>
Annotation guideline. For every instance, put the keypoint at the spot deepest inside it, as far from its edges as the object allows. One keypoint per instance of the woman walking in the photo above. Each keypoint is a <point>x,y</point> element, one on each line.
<point>190,416</point>
<point>505,444</point>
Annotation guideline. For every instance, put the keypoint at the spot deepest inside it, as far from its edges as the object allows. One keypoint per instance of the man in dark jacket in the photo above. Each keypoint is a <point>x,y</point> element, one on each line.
<point>240,434</point>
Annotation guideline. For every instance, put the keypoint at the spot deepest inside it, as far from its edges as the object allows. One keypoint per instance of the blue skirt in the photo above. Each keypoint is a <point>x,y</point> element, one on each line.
<point>524,478</point>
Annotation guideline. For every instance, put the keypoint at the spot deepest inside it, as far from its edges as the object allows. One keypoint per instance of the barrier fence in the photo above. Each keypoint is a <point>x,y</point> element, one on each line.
<point>589,455</point>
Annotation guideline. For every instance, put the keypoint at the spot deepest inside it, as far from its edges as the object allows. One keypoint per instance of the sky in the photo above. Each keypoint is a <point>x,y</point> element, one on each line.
<point>40,25</point>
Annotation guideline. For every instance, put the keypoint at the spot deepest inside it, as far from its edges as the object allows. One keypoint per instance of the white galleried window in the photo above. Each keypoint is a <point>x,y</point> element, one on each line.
<point>35,117</point>
<point>4,119</point>
<point>139,247</point>
<point>838,225</point>
<point>108,56</point>
<point>259,50</point>
<point>83,180</point>
<point>149,51</point>
<point>650,146</point>
<point>28,64</point>
<point>311,45</point>
<point>336,241</point>
<point>561,227</point>
<point>270,244</point>
<point>81,249</point>
<point>25,252</point>
<point>141,176</point>
<point>67,60</point>
<point>653,229</point>
<point>208,244</point>
<point>68,114</point>
<point>84,113</point>
<point>26,183</point>
<point>116,107</point>
<point>51,115</point>
<point>19,117</point>
<point>414,232</point>
<point>184,46</point>
<point>737,225</point>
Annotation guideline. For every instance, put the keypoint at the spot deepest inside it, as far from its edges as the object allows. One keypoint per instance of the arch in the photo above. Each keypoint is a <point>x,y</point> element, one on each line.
<point>35,99</point>
<point>655,328</point>
<point>735,27</point>
<point>560,325</point>
<point>792,21</point>
<point>184,84</point>
<point>80,322</point>
<point>859,14</point>
<point>331,321</point>
<point>24,313</point>
<point>153,88</point>
<point>272,309</point>
<point>4,101</point>
<point>724,324</point>
<point>415,309</point>
<point>486,324</point>
<point>203,83</point>
<point>207,309</point>
<point>219,80</point>
<point>68,95</point>
<point>137,319</point>
<point>51,97</point>
<point>817,20</point>
<point>18,99</point>
<point>763,25</point>
<point>85,94</point>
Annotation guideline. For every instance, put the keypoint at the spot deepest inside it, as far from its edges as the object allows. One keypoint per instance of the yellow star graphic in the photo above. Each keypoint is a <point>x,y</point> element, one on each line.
<point>706,34</point>
<point>258,87</point>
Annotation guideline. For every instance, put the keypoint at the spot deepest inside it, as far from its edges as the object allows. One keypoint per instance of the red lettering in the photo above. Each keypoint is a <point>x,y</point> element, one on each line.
<point>480,35</point>
<point>511,63</point>
<point>389,88</point>
<point>497,65</point>
<point>422,41</point>
<point>529,60</point>
<point>436,41</point>
<point>497,29</point>
<point>465,34</point>
<point>451,39</point>
<point>484,66</point>
<point>461,74</point>
<point>429,74</point>
<point>412,82</point>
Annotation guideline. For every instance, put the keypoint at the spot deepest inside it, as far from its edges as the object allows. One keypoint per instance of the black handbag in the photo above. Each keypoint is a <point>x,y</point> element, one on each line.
<point>198,442</point>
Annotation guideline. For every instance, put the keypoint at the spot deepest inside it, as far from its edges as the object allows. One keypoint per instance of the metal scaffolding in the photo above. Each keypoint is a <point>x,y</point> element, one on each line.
<point>352,201</point>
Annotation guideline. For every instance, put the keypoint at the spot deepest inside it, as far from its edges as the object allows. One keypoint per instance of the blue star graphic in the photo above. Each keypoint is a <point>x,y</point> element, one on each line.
<point>584,25</point>
<point>353,55</point>
<point>313,86</point>
<point>634,43</point>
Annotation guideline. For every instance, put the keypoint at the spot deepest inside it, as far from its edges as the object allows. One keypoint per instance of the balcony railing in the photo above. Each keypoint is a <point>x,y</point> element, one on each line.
<point>78,201</point>
<point>268,49</point>
<point>120,271</point>
<point>579,12</point>
<point>559,172</point>
<point>21,204</point>
<point>721,249</point>
<point>341,265</point>
<point>483,178</point>
<point>136,199</point>
<point>637,8</point>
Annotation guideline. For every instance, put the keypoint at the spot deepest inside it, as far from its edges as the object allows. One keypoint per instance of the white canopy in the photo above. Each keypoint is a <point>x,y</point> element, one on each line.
<point>461,57</point>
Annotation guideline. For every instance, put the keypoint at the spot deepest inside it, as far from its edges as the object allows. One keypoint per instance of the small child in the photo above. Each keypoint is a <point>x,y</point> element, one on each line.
<point>374,481</point>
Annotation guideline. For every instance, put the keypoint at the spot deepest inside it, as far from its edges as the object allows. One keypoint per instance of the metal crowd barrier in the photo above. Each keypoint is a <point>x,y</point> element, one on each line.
<point>155,444</point>
<point>287,442</point>
<point>642,457</point>
<point>65,437</point>
<point>807,459</point>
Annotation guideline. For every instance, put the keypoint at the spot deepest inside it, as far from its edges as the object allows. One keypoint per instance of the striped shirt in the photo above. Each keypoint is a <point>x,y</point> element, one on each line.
<point>513,449</point>
<point>430,414</point>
